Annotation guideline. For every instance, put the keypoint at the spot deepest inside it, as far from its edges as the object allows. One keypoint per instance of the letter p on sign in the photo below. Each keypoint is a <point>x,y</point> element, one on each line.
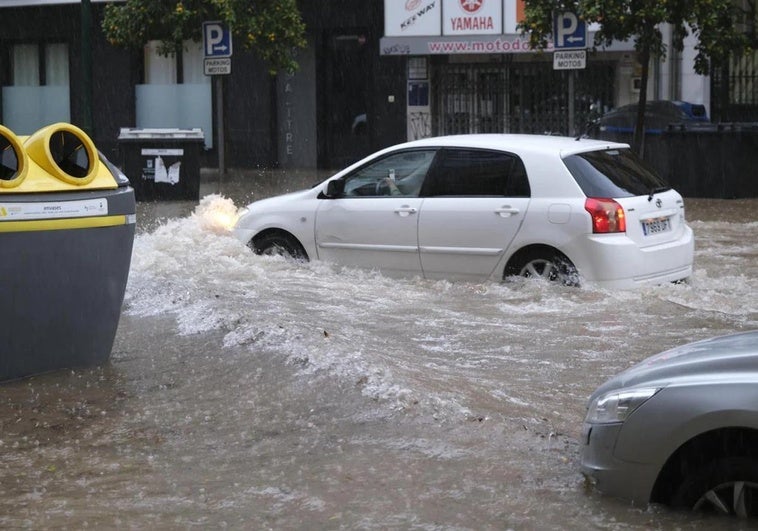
<point>217,40</point>
<point>569,31</point>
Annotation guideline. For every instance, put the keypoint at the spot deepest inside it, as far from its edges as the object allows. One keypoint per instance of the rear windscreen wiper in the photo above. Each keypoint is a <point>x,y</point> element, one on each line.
<point>657,190</point>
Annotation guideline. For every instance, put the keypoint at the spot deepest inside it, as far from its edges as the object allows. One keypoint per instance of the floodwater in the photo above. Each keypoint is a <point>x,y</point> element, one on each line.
<point>255,393</point>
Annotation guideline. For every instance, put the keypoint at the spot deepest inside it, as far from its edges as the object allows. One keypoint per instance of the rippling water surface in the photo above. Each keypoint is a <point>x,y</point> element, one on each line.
<point>254,392</point>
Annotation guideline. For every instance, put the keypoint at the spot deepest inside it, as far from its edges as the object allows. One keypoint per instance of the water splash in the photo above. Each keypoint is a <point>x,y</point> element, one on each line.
<point>446,348</point>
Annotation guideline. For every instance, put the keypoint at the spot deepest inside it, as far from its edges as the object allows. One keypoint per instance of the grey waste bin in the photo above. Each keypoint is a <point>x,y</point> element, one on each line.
<point>162,163</point>
<point>67,224</point>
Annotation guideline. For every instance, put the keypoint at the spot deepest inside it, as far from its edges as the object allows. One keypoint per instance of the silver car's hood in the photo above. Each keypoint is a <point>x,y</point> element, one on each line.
<point>729,356</point>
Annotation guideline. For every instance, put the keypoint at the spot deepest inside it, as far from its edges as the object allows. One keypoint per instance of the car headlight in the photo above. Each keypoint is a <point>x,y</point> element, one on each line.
<point>616,406</point>
<point>240,213</point>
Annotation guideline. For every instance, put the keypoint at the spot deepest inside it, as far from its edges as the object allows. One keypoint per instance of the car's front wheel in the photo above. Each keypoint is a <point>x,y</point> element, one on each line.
<point>550,265</point>
<point>278,244</point>
<point>724,486</point>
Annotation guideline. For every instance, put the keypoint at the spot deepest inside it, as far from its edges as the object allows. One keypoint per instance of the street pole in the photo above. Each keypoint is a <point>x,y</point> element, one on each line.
<point>86,55</point>
<point>219,82</point>
<point>571,109</point>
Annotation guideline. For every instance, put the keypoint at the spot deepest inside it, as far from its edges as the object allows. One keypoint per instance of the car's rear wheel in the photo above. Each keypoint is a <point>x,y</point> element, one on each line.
<point>724,486</point>
<point>550,265</point>
<point>278,244</point>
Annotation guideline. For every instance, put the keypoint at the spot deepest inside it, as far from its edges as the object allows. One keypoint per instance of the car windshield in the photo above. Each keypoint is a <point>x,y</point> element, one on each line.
<point>613,173</point>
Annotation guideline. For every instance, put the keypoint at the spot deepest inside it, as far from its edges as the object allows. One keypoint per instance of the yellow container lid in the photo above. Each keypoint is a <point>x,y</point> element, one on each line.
<point>57,158</point>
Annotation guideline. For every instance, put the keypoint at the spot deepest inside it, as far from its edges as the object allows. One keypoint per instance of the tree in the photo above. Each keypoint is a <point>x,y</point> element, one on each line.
<point>715,23</point>
<point>274,30</point>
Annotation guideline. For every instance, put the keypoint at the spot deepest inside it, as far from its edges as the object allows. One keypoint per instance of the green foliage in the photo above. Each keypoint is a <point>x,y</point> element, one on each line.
<point>274,30</point>
<point>713,22</point>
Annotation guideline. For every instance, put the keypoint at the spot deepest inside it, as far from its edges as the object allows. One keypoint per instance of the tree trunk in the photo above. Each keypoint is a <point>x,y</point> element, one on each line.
<point>638,138</point>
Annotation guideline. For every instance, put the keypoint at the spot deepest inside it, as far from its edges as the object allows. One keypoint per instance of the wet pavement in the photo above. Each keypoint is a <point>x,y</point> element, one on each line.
<point>255,393</point>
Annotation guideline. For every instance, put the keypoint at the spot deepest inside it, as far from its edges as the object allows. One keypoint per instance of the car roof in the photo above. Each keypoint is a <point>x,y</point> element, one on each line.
<point>517,143</point>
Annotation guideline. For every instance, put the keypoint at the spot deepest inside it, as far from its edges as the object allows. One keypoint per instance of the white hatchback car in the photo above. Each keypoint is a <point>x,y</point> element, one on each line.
<point>477,207</point>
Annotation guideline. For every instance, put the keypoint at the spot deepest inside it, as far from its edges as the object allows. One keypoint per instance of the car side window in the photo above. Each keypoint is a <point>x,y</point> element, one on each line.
<point>397,174</point>
<point>475,172</point>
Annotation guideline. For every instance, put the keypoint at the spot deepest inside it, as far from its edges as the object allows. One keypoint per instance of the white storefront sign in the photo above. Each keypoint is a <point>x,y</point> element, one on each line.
<point>472,17</point>
<point>513,13</point>
<point>412,18</point>
<point>460,27</point>
<point>454,18</point>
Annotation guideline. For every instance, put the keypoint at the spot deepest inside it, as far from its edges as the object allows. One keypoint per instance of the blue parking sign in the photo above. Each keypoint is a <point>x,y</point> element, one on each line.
<point>569,31</point>
<point>217,40</point>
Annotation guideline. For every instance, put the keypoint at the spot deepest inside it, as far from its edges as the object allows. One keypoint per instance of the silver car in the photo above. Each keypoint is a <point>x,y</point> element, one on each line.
<point>680,428</point>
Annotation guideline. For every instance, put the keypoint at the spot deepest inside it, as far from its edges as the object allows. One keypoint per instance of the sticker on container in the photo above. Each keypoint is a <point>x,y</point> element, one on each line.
<point>165,174</point>
<point>162,152</point>
<point>52,210</point>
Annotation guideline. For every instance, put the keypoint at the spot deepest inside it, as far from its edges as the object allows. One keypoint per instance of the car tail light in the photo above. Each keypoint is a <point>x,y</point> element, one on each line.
<point>607,215</point>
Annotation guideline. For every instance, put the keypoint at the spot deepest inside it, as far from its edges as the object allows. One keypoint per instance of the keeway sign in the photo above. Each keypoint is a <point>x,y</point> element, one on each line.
<point>569,59</point>
<point>414,17</point>
<point>420,18</point>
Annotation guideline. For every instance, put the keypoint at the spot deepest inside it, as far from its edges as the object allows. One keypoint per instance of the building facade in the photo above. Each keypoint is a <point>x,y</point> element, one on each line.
<point>468,69</point>
<point>374,73</point>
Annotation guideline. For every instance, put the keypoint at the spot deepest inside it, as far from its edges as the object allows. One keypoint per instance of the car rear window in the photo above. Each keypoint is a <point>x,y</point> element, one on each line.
<point>613,173</point>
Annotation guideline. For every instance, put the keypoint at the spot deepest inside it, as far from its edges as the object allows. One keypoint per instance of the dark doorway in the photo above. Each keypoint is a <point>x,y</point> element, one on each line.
<point>470,99</point>
<point>346,98</point>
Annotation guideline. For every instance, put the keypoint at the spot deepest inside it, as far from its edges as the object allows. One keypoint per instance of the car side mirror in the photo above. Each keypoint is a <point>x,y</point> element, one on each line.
<point>335,188</point>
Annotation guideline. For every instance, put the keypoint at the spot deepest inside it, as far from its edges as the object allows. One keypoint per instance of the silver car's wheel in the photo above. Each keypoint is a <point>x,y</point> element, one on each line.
<point>725,486</point>
<point>733,497</point>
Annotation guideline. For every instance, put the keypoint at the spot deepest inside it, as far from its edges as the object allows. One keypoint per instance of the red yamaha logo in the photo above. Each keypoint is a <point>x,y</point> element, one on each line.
<point>471,6</point>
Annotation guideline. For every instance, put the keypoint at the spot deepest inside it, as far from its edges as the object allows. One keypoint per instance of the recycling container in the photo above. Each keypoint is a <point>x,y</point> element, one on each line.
<point>163,164</point>
<point>67,222</point>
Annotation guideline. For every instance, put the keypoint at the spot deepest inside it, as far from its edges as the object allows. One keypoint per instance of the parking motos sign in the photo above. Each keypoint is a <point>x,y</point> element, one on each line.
<point>569,59</point>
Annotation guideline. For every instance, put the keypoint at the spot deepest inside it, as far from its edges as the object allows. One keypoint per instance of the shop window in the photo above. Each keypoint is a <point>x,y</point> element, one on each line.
<point>37,91</point>
<point>175,93</point>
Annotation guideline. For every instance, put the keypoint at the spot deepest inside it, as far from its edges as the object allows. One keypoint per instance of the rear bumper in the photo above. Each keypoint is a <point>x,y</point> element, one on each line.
<point>615,261</point>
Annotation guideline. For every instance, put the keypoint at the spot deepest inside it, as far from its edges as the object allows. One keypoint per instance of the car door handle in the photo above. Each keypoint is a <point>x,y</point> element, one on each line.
<point>404,211</point>
<point>506,211</point>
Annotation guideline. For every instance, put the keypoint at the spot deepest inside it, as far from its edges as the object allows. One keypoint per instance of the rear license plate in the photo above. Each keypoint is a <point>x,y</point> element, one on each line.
<point>654,226</point>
